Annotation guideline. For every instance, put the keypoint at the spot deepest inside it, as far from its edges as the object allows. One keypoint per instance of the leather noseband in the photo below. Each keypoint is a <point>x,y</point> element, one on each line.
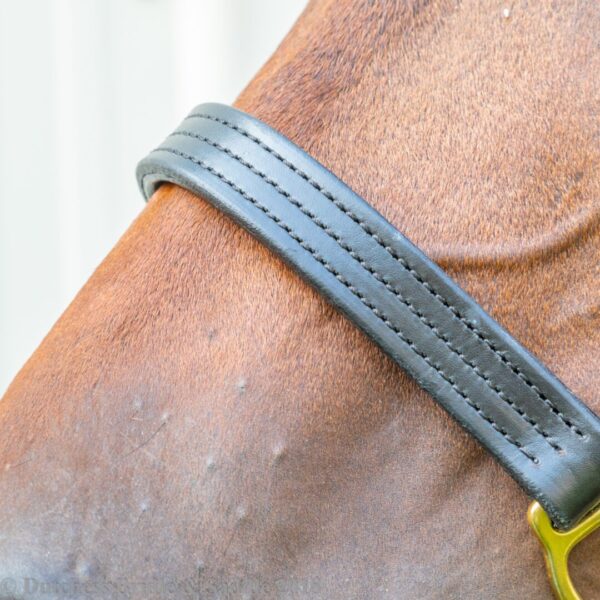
<point>540,432</point>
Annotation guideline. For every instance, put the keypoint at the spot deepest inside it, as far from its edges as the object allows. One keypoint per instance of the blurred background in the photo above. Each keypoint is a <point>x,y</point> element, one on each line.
<point>87,87</point>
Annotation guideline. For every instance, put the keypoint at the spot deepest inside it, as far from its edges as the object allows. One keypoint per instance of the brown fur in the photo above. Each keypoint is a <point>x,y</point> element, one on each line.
<point>199,414</point>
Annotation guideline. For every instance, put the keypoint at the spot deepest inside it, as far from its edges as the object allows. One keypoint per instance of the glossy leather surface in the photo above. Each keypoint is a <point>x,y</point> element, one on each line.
<point>544,436</point>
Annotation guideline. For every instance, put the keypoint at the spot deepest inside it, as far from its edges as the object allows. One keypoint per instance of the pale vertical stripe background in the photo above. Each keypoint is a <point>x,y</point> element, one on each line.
<point>87,87</point>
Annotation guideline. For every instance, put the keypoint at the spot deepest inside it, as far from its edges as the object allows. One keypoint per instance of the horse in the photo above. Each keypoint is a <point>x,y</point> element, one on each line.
<point>200,423</point>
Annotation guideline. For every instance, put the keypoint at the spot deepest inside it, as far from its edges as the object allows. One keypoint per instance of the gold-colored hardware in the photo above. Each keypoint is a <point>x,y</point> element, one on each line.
<point>557,546</point>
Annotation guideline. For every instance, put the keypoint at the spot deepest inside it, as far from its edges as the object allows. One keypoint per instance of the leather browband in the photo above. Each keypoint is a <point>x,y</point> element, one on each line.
<point>542,434</point>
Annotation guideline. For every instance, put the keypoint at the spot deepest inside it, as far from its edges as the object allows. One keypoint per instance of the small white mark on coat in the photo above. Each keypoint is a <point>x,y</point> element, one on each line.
<point>279,451</point>
<point>241,513</point>
<point>83,570</point>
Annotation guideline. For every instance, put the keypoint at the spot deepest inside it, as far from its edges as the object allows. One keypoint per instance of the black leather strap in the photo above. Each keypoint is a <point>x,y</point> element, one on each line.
<point>544,436</point>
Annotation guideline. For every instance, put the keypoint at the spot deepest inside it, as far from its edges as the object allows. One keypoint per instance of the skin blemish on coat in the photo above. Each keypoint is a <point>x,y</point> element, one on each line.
<point>211,465</point>
<point>279,451</point>
<point>84,569</point>
<point>241,386</point>
<point>241,514</point>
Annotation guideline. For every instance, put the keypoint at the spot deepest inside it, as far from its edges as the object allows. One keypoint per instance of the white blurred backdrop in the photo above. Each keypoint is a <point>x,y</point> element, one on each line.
<point>87,87</point>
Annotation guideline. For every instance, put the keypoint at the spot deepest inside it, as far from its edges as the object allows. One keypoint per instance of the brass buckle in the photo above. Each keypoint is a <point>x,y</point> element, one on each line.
<point>557,546</point>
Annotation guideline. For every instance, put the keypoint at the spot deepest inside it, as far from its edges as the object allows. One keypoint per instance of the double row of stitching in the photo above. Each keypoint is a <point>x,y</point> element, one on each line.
<point>449,379</point>
<point>402,261</point>
<point>390,288</point>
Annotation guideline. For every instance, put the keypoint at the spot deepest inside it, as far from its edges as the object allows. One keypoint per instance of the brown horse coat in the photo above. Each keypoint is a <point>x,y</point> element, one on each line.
<point>200,418</point>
